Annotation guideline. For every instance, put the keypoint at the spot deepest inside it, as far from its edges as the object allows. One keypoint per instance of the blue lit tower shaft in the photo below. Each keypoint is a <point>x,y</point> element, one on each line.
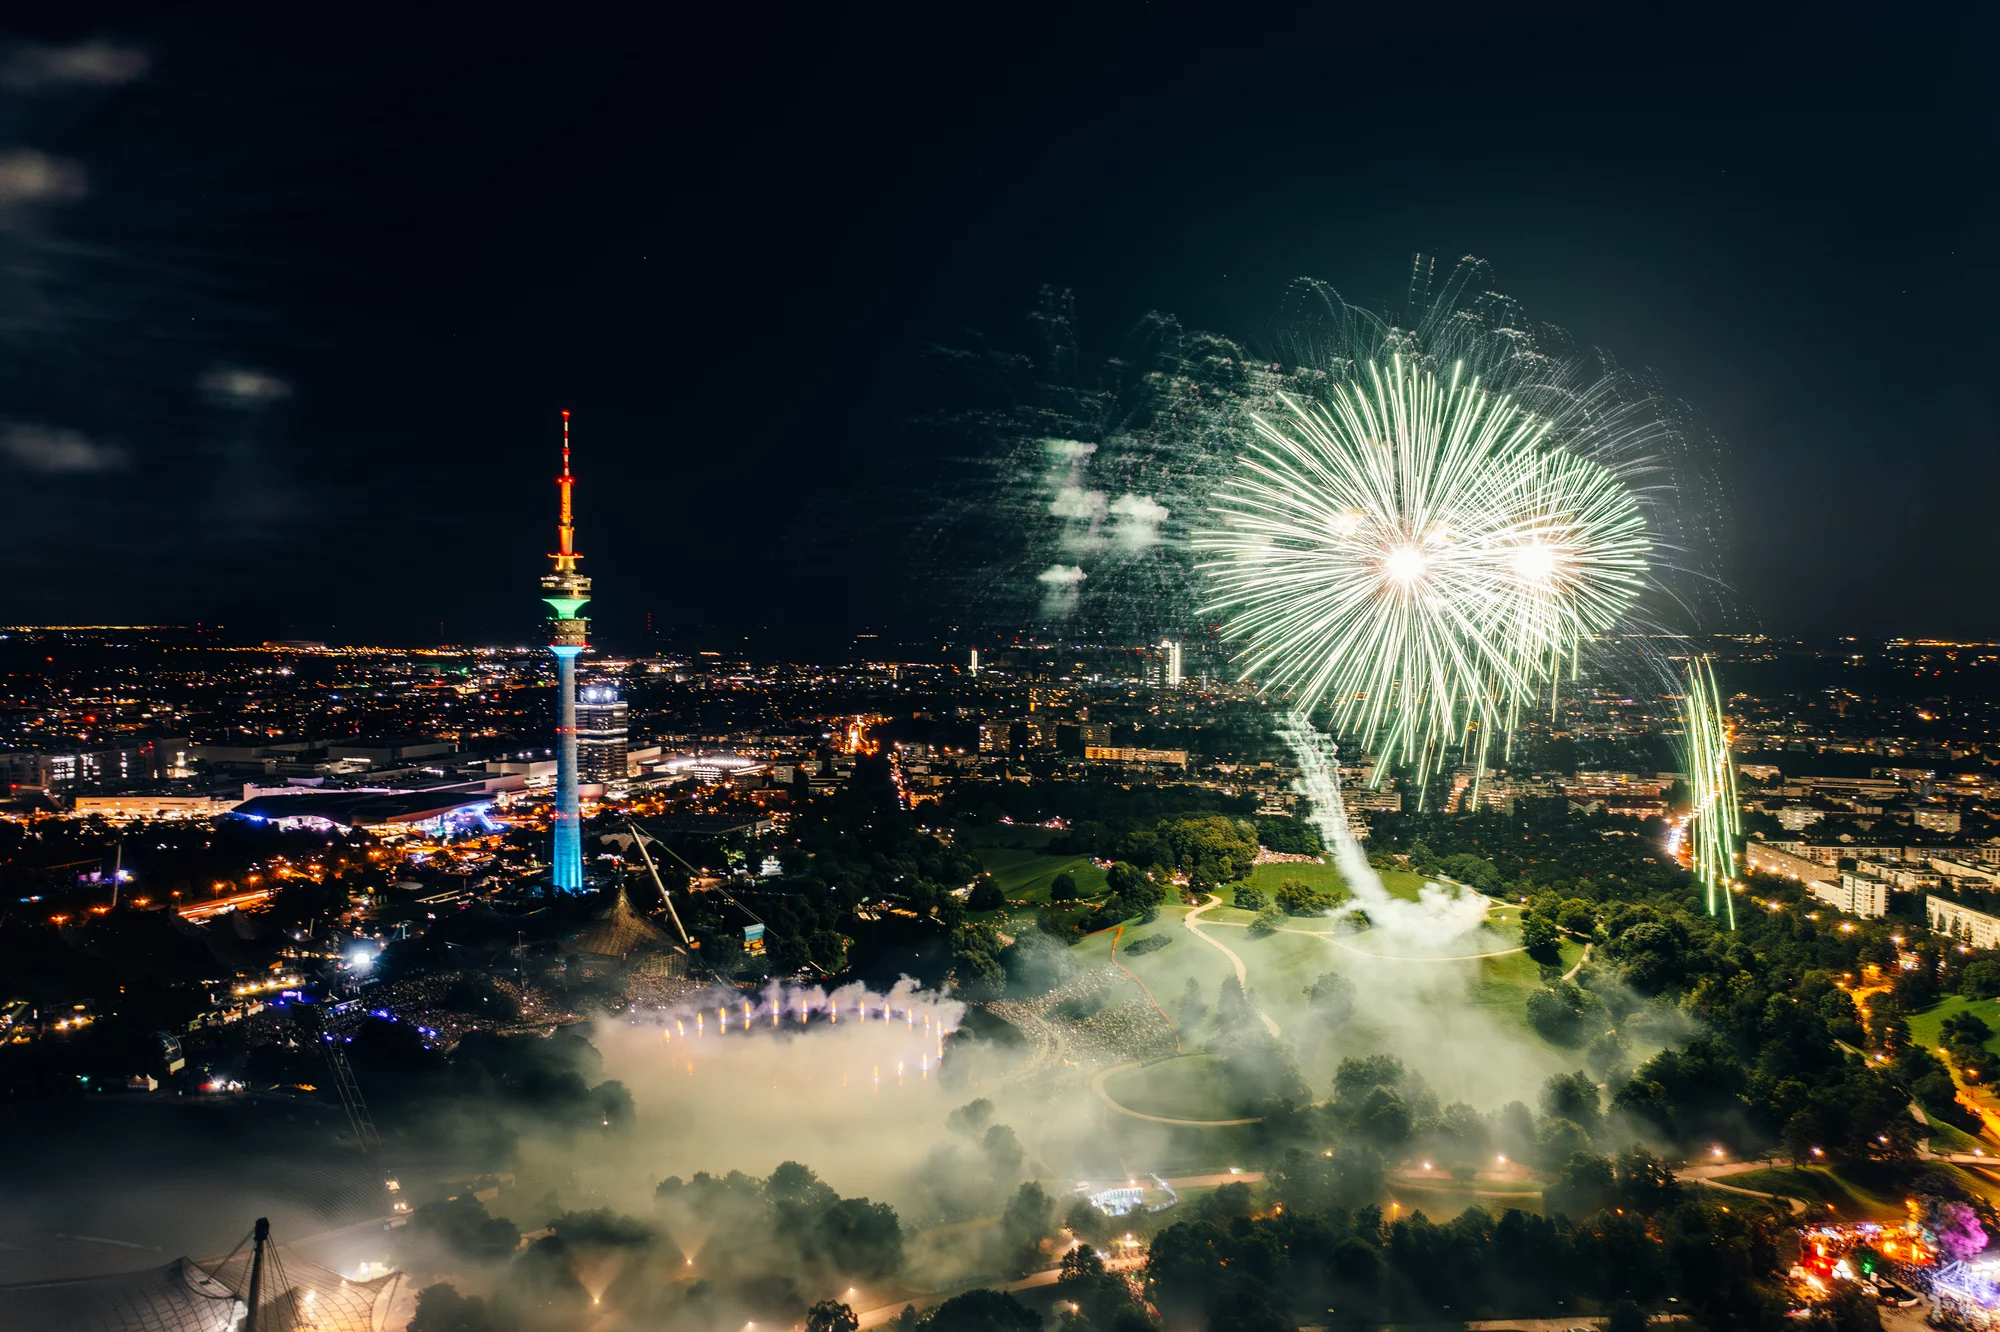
<point>566,591</point>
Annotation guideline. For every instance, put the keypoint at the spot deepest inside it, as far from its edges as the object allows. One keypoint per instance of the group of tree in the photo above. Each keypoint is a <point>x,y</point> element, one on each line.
<point>775,1248</point>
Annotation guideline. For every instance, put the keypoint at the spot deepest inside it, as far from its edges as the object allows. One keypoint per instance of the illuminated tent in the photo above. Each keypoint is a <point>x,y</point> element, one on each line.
<point>187,1296</point>
<point>619,930</point>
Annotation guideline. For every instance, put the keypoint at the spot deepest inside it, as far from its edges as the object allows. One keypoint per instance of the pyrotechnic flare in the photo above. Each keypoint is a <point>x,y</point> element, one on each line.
<point>1715,825</point>
<point>1418,553</point>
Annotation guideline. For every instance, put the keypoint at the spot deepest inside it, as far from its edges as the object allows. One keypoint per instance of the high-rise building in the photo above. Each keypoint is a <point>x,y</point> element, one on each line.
<point>975,661</point>
<point>566,591</point>
<point>601,733</point>
<point>1172,651</point>
<point>1163,665</point>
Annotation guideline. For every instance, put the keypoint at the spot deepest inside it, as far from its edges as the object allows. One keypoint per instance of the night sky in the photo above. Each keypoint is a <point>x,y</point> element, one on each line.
<point>289,313</point>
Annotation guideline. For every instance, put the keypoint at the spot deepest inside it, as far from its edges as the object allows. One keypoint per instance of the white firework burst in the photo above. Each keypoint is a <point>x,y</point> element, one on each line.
<point>1419,554</point>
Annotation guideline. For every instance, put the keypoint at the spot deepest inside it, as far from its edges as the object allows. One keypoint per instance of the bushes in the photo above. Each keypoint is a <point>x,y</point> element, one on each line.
<point>1249,898</point>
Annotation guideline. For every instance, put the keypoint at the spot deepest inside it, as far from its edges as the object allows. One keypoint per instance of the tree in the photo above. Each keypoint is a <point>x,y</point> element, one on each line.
<point>1027,1221</point>
<point>1573,1096</point>
<point>1062,888</point>
<point>1250,898</point>
<point>1003,1152</point>
<point>1577,916</point>
<point>986,895</point>
<point>1331,996</point>
<point>1585,1184</point>
<point>1087,1222</point>
<point>1539,936</point>
<point>1848,1307</point>
<point>1269,920</point>
<point>983,1311</point>
<point>863,1239</point>
<point>1289,835</point>
<point>1981,979</point>
<point>1959,1234</point>
<point>462,1229</point>
<point>1564,1013</point>
<point>1192,1009</point>
<point>831,1316</point>
<point>441,1308</point>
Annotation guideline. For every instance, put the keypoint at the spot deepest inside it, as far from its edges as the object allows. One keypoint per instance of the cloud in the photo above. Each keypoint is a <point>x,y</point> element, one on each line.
<point>49,449</point>
<point>1076,502</point>
<point>31,66</point>
<point>1139,518</point>
<point>235,386</point>
<point>30,177</point>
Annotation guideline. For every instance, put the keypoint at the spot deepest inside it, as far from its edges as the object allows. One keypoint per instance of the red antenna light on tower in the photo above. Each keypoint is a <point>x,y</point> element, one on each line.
<point>566,530</point>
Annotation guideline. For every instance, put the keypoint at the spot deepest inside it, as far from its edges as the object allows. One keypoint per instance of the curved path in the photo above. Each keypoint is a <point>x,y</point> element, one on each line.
<point>1709,1175</point>
<point>1097,1085</point>
<point>1242,972</point>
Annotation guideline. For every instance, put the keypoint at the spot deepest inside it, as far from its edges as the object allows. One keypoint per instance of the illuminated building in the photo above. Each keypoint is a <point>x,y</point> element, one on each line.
<point>566,591</point>
<point>601,734</point>
<point>1129,754</point>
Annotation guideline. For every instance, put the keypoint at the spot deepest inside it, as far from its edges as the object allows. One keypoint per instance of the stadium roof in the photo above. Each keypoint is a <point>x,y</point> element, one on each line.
<point>187,1296</point>
<point>352,808</point>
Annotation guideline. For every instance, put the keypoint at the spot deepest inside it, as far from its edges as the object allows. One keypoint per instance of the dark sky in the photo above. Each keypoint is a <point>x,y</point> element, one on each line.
<point>289,312</point>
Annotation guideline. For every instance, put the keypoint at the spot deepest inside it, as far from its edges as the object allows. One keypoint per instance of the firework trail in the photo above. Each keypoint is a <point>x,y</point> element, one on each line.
<point>1436,916</point>
<point>1715,825</point>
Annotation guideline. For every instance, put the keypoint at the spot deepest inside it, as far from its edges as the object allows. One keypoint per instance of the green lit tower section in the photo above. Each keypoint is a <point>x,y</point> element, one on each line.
<point>566,590</point>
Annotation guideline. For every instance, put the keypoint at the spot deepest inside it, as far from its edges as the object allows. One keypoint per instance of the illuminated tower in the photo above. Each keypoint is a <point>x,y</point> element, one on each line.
<point>566,591</point>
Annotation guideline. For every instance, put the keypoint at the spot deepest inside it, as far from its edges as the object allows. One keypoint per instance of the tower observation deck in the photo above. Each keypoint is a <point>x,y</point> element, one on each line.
<point>566,591</point>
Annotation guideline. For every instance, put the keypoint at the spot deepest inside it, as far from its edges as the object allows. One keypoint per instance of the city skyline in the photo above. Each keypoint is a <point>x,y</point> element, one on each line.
<point>1255,671</point>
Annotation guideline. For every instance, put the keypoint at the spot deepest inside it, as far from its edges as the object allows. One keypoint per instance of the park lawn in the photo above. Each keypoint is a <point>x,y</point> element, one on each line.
<point>1281,965</point>
<point>1266,878</point>
<point>1399,883</point>
<point>1861,1190</point>
<point>1025,875</point>
<point>1927,1027</point>
<point>1446,1198</point>
<point>1185,1088</point>
<point>1949,1138</point>
<point>1020,835</point>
